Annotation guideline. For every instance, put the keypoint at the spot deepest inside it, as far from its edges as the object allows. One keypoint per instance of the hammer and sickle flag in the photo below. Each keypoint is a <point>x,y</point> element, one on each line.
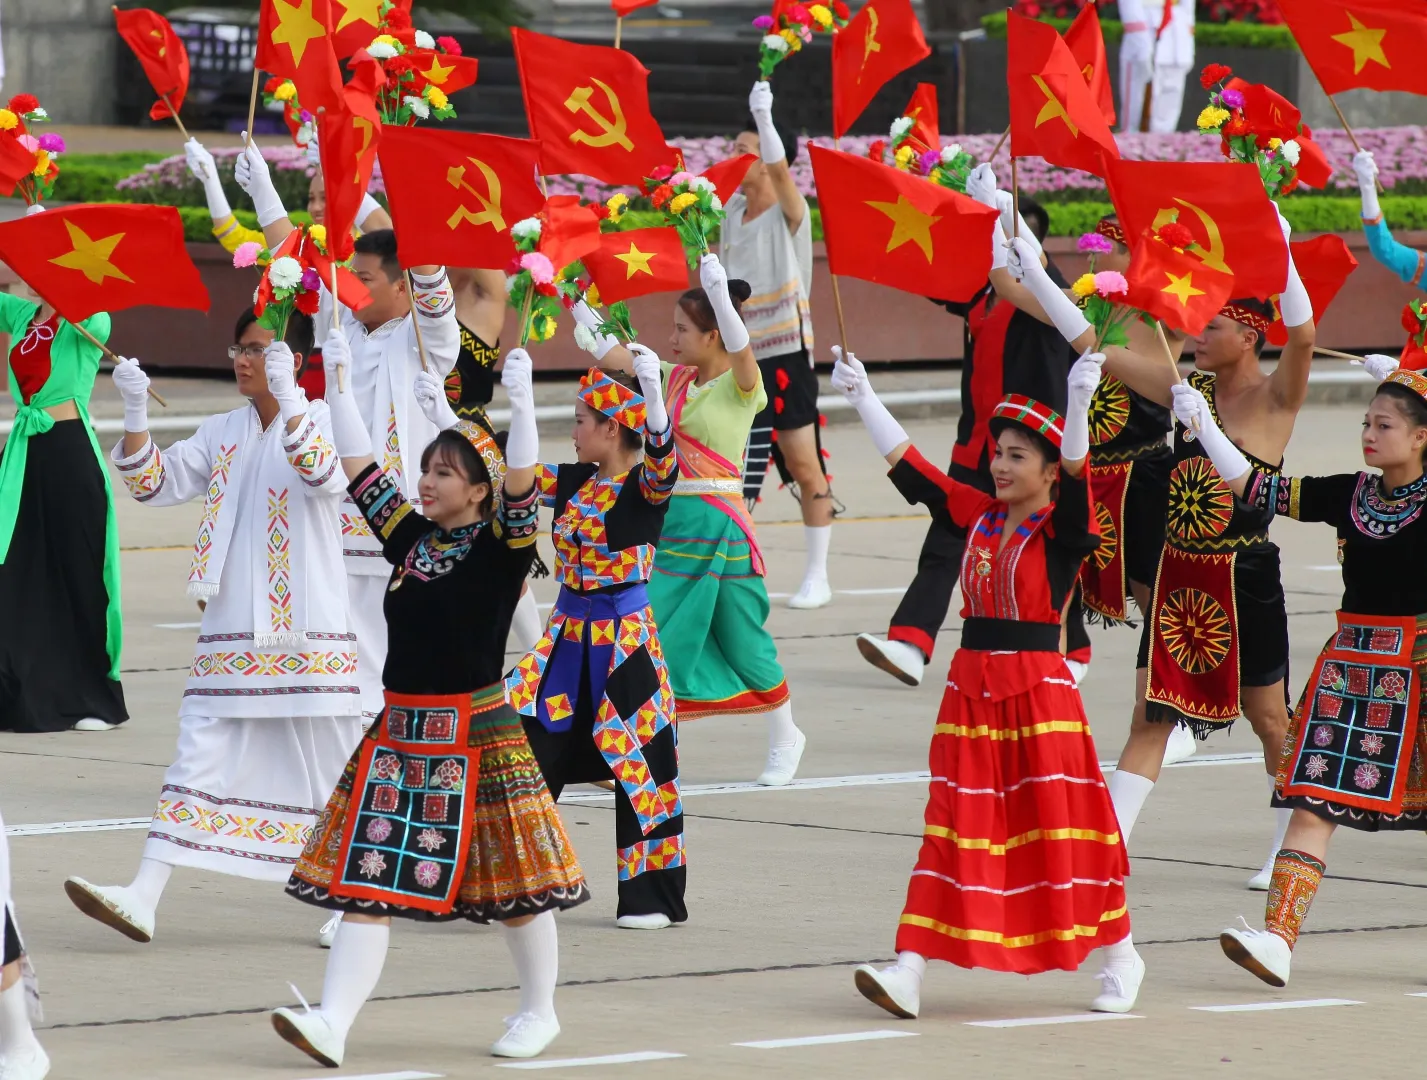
<point>347,139</point>
<point>588,106</point>
<point>1086,41</point>
<point>1054,115</point>
<point>1175,287</point>
<point>881,42</point>
<point>896,229</point>
<point>637,262</point>
<point>1374,44</point>
<point>455,195</point>
<point>87,259</point>
<point>294,43</point>
<point>922,109</point>
<point>1225,208</point>
<point>161,54</point>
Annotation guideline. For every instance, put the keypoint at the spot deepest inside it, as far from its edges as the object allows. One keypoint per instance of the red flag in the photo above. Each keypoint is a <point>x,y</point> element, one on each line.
<point>925,122</point>
<point>445,71</point>
<point>16,163</point>
<point>1324,264</point>
<point>351,293</point>
<point>1313,168</point>
<point>624,7</point>
<point>1086,42</point>
<point>638,262</point>
<point>293,43</point>
<point>588,105</point>
<point>347,141</point>
<point>455,195</point>
<point>896,229</point>
<point>1223,204</point>
<point>727,175</point>
<point>1175,286</point>
<point>881,42</point>
<point>1053,113</point>
<point>161,53</point>
<point>109,257</point>
<point>570,231</point>
<point>356,22</point>
<point>1376,44</point>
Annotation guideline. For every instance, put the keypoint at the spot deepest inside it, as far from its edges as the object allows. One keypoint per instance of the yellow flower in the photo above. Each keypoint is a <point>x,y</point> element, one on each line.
<point>385,39</point>
<point>904,156</point>
<point>542,328</point>
<point>617,205</point>
<point>821,15</point>
<point>1274,144</point>
<point>680,203</point>
<point>437,97</point>
<point>794,42</point>
<point>286,92</point>
<point>318,235</point>
<point>8,120</point>
<point>1212,118</point>
<point>42,162</point>
<point>592,294</point>
<point>1084,285</point>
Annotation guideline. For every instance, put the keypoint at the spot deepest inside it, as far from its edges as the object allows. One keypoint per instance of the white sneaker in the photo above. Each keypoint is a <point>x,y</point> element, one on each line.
<point>1182,746</point>
<point>1264,953</point>
<point>813,593</point>
<point>1119,987</point>
<point>656,921</point>
<point>1261,881</point>
<point>895,988</point>
<point>526,1035</point>
<point>897,658</point>
<point>311,1033</point>
<point>113,905</point>
<point>89,723</point>
<point>328,933</point>
<point>32,1064</point>
<point>782,764</point>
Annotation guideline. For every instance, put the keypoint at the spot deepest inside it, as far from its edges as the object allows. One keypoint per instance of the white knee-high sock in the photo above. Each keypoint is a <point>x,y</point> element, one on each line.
<point>781,729</point>
<point>16,1034</point>
<point>526,624</point>
<point>1128,792</point>
<point>148,884</point>
<point>1284,816</point>
<point>818,539</point>
<point>353,968</point>
<point>535,948</point>
<point>1120,954</point>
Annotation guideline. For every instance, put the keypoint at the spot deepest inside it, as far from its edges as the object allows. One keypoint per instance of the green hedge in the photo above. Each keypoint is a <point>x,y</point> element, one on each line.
<point>1209,35</point>
<point>1306,215</point>
<point>198,226</point>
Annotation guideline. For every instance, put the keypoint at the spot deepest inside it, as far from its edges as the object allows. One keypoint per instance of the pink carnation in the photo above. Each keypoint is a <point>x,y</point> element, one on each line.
<point>29,142</point>
<point>52,143</point>
<point>1111,283</point>
<point>449,45</point>
<point>1094,244</point>
<point>681,178</point>
<point>542,271</point>
<point>247,254</point>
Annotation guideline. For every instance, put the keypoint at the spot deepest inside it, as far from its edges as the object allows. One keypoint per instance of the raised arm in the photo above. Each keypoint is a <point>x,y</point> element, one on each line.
<point>775,157</point>
<point>1407,263</point>
<point>226,229</point>
<point>434,303</point>
<point>731,330</point>
<point>371,216</point>
<point>605,348</point>
<point>349,434</point>
<point>1288,384</point>
<point>660,469</point>
<point>1080,388</point>
<point>522,447</point>
<point>1192,410</point>
<point>154,477</point>
<point>487,289</point>
<point>253,176</point>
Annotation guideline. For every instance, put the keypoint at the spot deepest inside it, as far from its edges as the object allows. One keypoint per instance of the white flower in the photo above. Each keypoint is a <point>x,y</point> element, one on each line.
<point>305,136</point>
<point>510,284</point>
<point>424,40</point>
<point>774,42</point>
<point>523,230</point>
<point>715,202</point>
<point>900,127</point>
<point>285,272</point>
<point>585,338</point>
<point>949,153</point>
<point>380,50</point>
<point>1291,150</point>
<point>418,106</point>
<point>701,183</point>
<point>40,114</point>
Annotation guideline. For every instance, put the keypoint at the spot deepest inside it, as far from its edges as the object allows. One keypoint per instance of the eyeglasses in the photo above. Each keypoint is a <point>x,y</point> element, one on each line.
<point>252,352</point>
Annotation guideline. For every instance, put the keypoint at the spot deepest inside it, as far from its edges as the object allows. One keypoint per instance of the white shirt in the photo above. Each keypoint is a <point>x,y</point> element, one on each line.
<point>778,266</point>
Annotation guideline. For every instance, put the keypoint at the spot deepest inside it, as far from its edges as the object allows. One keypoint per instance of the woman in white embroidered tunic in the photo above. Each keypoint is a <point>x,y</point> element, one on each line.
<point>271,710</point>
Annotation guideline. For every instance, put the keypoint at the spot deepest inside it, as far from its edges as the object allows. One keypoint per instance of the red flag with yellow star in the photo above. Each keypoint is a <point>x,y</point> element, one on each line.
<point>568,230</point>
<point>901,230</point>
<point>1086,41</point>
<point>1175,287</point>
<point>347,138</point>
<point>16,163</point>
<point>727,175</point>
<point>293,43</point>
<point>86,259</point>
<point>638,262</point>
<point>926,122</point>
<point>161,53</point>
<point>445,71</point>
<point>1053,113</point>
<point>1375,44</point>
<point>355,22</point>
<point>881,42</point>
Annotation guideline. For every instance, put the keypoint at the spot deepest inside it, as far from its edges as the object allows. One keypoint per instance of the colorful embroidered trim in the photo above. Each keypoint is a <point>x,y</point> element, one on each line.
<point>1296,877</point>
<point>1413,380</point>
<point>1111,230</point>
<point>1249,318</point>
<point>481,441</point>
<point>1040,418</point>
<point>612,399</point>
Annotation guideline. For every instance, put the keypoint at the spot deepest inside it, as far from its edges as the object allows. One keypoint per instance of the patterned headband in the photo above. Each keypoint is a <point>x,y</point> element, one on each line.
<point>1413,380</point>
<point>1029,412</point>
<point>612,399</point>
<point>1111,230</point>
<point>1253,319</point>
<point>480,439</point>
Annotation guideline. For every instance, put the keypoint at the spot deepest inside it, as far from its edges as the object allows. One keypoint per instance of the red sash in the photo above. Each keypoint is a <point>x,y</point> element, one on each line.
<point>1194,643</point>
<point>1102,577</point>
<point>698,462</point>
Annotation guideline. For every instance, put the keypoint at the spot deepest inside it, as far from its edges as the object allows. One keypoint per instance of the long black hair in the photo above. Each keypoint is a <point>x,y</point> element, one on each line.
<point>452,448</point>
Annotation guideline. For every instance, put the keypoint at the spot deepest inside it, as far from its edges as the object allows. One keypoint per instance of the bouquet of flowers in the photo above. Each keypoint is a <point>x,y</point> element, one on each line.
<point>791,26</point>
<point>616,320</point>
<point>1097,295</point>
<point>532,285</point>
<point>292,276</point>
<point>282,93</point>
<point>1414,321</point>
<point>1094,245</point>
<point>23,110</point>
<point>690,204</point>
<point>948,166</point>
<point>403,51</point>
<point>1256,140</point>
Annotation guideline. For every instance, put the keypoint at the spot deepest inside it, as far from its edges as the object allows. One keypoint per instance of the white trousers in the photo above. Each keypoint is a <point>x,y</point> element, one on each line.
<point>365,595</point>
<point>1166,101</point>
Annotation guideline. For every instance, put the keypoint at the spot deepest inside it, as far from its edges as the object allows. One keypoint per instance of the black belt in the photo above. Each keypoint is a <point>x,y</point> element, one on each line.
<point>1009,635</point>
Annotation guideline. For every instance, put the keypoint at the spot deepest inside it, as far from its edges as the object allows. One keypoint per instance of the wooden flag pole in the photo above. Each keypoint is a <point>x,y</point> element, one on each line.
<point>1351,137</point>
<point>252,105</point>
<point>1000,143</point>
<point>618,31</point>
<point>837,307</point>
<point>1169,357</point>
<point>1319,350</point>
<point>174,113</point>
<point>415,320</point>
<point>110,354</point>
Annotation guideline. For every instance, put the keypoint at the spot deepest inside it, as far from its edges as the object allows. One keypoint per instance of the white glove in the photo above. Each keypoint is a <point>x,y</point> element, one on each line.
<point>849,377</point>
<point>1366,168</point>
<point>1001,250</point>
<point>760,104</point>
<point>981,185</point>
<point>430,392</point>
<point>1006,203</point>
<point>349,432</point>
<point>1283,225</point>
<point>251,172</point>
<point>280,366</point>
<point>1190,409</point>
<point>314,152</point>
<point>34,208</point>
<point>715,282</point>
<point>205,171</point>
<point>522,445</point>
<point>133,387</point>
<point>1063,314</point>
<point>1378,366</point>
<point>1293,303</point>
<point>651,384</point>
<point>1080,388</point>
<point>587,332</point>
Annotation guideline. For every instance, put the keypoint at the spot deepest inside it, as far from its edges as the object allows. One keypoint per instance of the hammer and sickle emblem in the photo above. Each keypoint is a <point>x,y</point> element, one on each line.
<point>870,44</point>
<point>1088,71</point>
<point>490,202</point>
<point>365,128</point>
<point>612,131</point>
<point>1053,109</point>
<point>1213,257</point>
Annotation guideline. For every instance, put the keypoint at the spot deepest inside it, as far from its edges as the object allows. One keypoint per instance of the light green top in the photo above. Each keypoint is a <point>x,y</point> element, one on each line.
<point>74,365</point>
<point>719,414</point>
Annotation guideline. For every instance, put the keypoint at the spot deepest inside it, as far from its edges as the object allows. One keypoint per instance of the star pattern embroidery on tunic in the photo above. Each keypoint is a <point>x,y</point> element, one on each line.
<point>430,840</point>
<point>373,864</point>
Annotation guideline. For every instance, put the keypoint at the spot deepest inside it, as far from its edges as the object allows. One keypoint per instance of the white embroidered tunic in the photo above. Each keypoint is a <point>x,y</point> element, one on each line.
<point>267,560</point>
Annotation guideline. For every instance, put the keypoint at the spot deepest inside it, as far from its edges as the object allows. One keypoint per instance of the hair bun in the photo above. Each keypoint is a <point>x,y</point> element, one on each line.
<point>739,289</point>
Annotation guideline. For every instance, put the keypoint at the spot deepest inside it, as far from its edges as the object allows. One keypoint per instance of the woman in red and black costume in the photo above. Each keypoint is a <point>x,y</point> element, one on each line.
<point>1021,867</point>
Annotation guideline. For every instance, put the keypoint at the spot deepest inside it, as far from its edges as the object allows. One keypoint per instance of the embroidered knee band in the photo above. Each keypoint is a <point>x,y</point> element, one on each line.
<point>1296,876</point>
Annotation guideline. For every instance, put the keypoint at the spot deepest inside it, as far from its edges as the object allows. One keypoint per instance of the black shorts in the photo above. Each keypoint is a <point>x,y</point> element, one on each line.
<point>1263,619</point>
<point>1146,500</point>
<point>792,388</point>
<point>11,950</point>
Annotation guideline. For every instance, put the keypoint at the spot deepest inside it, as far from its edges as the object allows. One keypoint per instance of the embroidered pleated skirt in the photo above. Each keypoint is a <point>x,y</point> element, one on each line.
<point>441,814</point>
<point>1021,867</point>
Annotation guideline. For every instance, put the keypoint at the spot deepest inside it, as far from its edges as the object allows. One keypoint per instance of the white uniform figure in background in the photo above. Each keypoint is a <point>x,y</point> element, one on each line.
<point>1168,61</point>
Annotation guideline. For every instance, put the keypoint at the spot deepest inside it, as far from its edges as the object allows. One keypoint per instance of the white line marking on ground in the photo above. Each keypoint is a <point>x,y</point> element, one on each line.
<point>743,787</point>
<point>822,1040</point>
<point>574,1063</point>
<point>183,626</point>
<point>1417,995</point>
<point>1267,1006</point>
<point>1334,567</point>
<point>388,1076</point>
<point>1034,1021</point>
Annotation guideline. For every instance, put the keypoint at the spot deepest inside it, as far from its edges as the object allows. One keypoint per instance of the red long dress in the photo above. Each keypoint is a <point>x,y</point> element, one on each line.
<point>1022,867</point>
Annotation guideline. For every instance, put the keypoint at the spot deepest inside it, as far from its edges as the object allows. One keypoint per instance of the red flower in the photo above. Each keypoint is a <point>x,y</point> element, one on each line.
<point>1410,322</point>
<point>1236,125</point>
<point>546,288</point>
<point>601,210</point>
<point>1214,73</point>
<point>1175,235</point>
<point>513,267</point>
<point>306,302</point>
<point>21,104</point>
<point>661,195</point>
<point>878,150</point>
<point>798,14</point>
<point>449,45</point>
<point>663,172</point>
<point>1290,187</point>
<point>269,87</point>
<point>400,65</point>
<point>841,11</point>
<point>396,19</point>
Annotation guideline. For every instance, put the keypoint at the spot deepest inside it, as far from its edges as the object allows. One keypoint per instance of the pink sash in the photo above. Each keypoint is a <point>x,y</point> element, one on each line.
<point>698,462</point>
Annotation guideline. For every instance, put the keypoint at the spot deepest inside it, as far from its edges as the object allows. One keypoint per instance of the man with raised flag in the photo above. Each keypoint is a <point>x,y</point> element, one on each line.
<point>1216,644</point>
<point>1156,56</point>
